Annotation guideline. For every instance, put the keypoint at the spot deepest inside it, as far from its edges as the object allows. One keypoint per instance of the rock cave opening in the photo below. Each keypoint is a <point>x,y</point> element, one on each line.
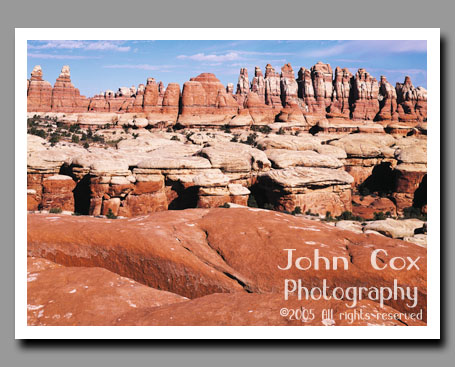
<point>82,196</point>
<point>187,198</point>
<point>380,181</point>
<point>258,197</point>
<point>420,195</point>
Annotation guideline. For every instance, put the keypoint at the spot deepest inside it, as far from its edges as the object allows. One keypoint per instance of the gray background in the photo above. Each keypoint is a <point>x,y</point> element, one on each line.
<point>227,13</point>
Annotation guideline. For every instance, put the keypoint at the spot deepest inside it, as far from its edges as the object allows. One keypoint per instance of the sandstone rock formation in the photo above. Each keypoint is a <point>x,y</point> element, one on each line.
<point>76,296</point>
<point>39,92</point>
<point>365,96</point>
<point>196,253</point>
<point>65,97</point>
<point>316,93</point>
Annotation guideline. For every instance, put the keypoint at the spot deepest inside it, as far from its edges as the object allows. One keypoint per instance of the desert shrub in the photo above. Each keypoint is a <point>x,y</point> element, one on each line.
<point>281,131</point>
<point>297,133</point>
<point>75,138</point>
<point>55,137</point>
<point>226,128</point>
<point>265,129</point>
<point>75,127</point>
<point>328,217</point>
<point>251,139</point>
<point>86,145</point>
<point>413,212</point>
<point>225,205</point>
<point>98,139</point>
<point>252,203</point>
<point>38,132</point>
<point>56,210</point>
<point>110,214</point>
<point>379,216</point>
<point>347,215</point>
<point>32,122</point>
<point>175,137</point>
<point>234,139</point>
<point>135,135</point>
<point>297,210</point>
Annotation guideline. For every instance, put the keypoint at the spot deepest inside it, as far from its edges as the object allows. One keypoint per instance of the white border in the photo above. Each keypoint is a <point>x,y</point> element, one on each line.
<point>431,331</point>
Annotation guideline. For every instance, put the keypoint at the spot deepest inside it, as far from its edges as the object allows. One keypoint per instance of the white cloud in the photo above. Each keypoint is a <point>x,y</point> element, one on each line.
<point>39,55</point>
<point>367,47</point>
<point>230,56</point>
<point>161,68</point>
<point>82,45</point>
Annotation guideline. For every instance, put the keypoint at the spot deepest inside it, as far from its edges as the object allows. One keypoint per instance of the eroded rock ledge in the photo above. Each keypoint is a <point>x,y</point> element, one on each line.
<point>140,271</point>
<point>148,171</point>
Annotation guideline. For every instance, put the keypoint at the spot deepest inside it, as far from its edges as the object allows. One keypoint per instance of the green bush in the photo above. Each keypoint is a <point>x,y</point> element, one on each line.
<point>225,205</point>
<point>75,127</point>
<point>281,131</point>
<point>265,129</point>
<point>226,128</point>
<point>347,215</point>
<point>328,217</point>
<point>86,145</point>
<point>413,212</point>
<point>235,139</point>
<point>251,139</point>
<point>379,216</point>
<point>75,139</point>
<point>38,132</point>
<point>252,203</point>
<point>175,137</point>
<point>297,210</point>
<point>54,139</point>
<point>56,210</point>
<point>110,214</point>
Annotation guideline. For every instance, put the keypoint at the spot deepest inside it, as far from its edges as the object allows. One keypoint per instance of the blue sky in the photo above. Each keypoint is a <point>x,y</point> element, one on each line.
<point>100,65</point>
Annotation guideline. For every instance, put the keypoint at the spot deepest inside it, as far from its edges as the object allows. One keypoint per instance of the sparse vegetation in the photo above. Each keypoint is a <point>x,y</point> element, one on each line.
<point>264,129</point>
<point>252,203</point>
<point>251,139</point>
<point>347,215</point>
<point>110,214</point>
<point>297,210</point>
<point>226,128</point>
<point>175,137</point>
<point>413,212</point>
<point>379,216</point>
<point>56,210</point>
<point>225,205</point>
